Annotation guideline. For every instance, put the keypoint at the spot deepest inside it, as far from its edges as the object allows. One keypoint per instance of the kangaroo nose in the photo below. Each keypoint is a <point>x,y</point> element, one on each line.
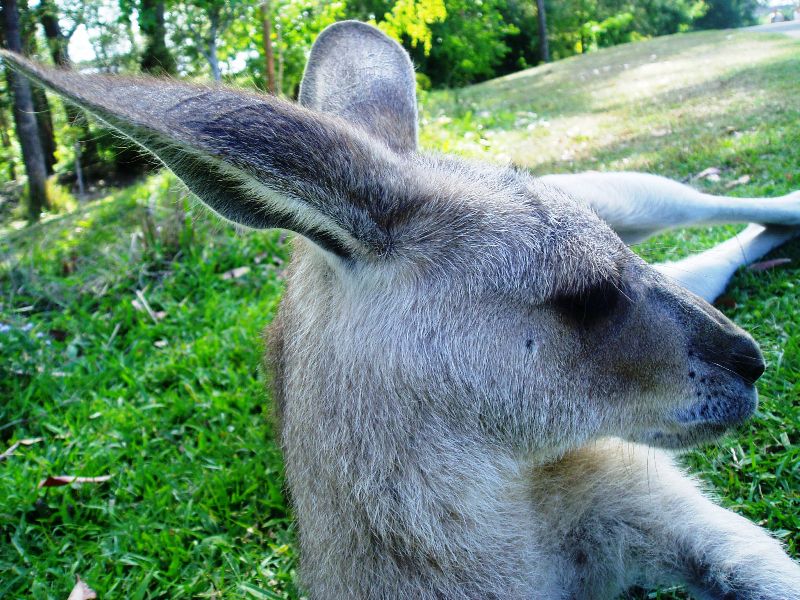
<point>718,341</point>
<point>741,356</point>
<point>725,345</point>
<point>746,359</point>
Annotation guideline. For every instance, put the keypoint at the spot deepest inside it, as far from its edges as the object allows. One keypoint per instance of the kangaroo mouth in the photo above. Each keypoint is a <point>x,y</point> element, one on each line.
<point>706,419</point>
<point>686,437</point>
<point>724,409</point>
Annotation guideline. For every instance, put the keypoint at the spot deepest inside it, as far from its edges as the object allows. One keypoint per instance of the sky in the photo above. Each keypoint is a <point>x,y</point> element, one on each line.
<point>80,46</point>
<point>80,49</point>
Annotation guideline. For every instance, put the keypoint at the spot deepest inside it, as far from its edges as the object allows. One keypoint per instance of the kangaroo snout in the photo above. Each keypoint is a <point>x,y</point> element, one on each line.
<point>724,364</point>
<point>722,343</point>
<point>739,355</point>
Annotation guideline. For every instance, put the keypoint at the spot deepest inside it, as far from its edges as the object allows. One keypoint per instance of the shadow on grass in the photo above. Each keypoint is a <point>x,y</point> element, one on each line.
<point>742,137</point>
<point>572,86</point>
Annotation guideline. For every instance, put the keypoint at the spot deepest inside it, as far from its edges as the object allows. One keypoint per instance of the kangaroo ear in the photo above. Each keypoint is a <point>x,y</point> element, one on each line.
<point>255,160</point>
<point>358,73</point>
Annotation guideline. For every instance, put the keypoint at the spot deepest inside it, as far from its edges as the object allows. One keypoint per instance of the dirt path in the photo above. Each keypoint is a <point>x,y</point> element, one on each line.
<point>790,28</point>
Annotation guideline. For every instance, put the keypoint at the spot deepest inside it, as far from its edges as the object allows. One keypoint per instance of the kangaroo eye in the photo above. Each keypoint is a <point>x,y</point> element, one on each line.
<point>592,305</point>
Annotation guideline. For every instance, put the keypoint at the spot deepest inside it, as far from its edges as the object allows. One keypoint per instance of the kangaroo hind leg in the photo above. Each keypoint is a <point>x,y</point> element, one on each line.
<point>639,205</point>
<point>707,274</point>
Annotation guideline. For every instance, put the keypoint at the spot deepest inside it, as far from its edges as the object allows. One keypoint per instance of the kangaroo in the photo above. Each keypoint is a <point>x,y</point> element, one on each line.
<point>473,374</point>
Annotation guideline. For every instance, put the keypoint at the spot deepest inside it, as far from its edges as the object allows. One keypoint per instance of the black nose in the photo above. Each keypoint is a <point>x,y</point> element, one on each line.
<point>726,345</point>
<point>719,341</point>
<point>747,361</point>
<point>740,356</point>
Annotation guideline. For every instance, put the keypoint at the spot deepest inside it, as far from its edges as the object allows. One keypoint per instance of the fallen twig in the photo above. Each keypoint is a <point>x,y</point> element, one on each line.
<point>15,445</point>
<point>766,265</point>
<point>61,480</point>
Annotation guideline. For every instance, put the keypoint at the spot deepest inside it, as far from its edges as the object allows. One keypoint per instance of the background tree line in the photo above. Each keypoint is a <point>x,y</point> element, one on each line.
<point>264,44</point>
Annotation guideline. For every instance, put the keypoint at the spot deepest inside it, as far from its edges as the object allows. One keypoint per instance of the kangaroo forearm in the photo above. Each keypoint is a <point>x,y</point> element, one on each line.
<point>722,555</point>
<point>668,530</point>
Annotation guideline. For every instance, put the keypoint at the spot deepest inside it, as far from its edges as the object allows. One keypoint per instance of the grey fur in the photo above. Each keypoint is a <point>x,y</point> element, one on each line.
<point>374,88</point>
<point>455,383</point>
<point>255,160</point>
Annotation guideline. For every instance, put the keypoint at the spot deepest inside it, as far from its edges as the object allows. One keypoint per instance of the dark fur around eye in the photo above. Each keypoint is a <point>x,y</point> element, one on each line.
<point>592,305</point>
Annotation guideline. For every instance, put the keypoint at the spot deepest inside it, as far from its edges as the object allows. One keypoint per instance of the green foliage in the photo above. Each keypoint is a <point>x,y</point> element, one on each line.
<point>197,29</point>
<point>728,13</point>
<point>579,26</point>
<point>411,19</point>
<point>468,45</point>
<point>156,57</point>
<point>299,22</point>
<point>110,27</point>
<point>61,200</point>
<point>609,32</point>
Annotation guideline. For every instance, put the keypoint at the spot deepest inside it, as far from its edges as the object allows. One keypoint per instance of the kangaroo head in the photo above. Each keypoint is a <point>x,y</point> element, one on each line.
<point>473,294</point>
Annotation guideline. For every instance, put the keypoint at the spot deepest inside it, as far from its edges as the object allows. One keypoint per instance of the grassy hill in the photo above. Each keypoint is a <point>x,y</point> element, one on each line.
<point>130,328</point>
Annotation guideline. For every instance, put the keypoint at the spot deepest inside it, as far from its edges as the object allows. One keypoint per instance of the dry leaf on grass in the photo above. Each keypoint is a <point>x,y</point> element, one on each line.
<point>15,445</point>
<point>236,273</point>
<point>81,591</point>
<point>140,303</point>
<point>60,480</point>
<point>725,302</point>
<point>711,173</point>
<point>30,441</point>
<point>766,265</point>
<point>744,179</point>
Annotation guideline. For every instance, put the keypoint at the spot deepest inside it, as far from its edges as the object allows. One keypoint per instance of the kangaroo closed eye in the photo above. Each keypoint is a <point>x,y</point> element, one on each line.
<point>591,305</point>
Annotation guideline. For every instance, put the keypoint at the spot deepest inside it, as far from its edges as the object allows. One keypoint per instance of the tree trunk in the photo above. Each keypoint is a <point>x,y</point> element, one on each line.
<point>44,124</point>
<point>279,40</point>
<point>269,58</point>
<point>211,55</point>
<point>44,119</point>
<point>541,17</point>
<point>58,44</point>
<point>79,171</point>
<point>156,58</point>
<point>213,61</point>
<point>27,131</point>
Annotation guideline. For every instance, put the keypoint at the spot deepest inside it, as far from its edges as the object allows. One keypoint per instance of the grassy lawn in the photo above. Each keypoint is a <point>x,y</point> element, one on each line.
<point>130,328</point>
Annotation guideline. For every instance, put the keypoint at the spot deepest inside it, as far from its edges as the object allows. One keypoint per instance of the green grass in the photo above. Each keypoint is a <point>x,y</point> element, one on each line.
<point>172,405</point>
